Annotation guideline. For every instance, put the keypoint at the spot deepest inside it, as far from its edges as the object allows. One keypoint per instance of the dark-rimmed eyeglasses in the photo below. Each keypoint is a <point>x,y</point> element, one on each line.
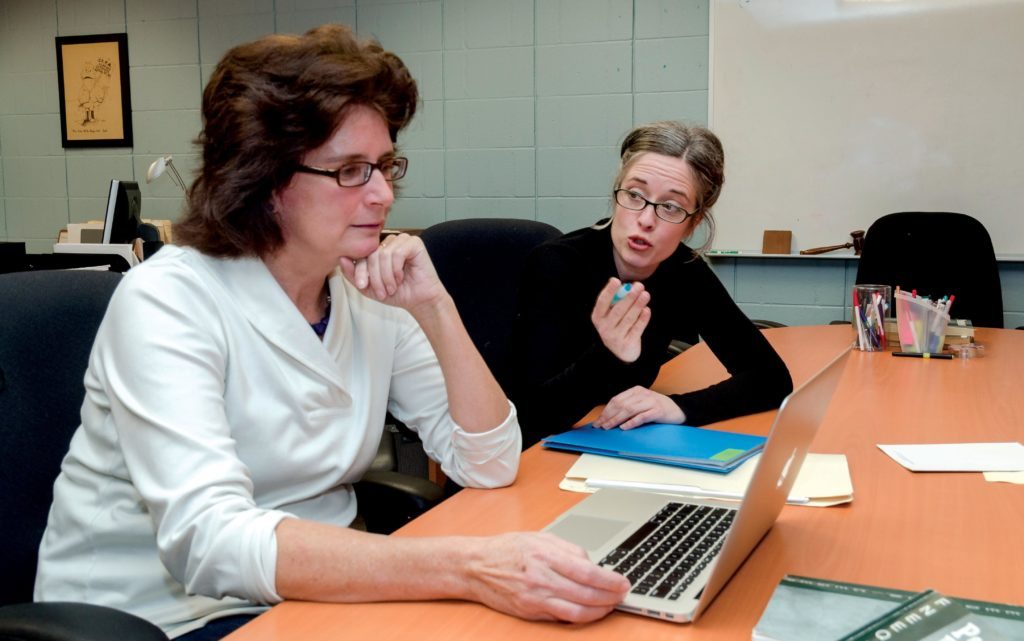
<point>357,173</point>
<point>669,212</point>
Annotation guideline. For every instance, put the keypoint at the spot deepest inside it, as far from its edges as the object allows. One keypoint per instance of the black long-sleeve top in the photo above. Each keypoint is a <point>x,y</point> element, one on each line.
<point>558,368</point>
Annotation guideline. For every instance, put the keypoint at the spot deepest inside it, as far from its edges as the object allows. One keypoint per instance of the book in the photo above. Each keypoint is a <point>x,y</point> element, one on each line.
<point>813,609</point>
<point>927,616</point>
<point>679,445</point>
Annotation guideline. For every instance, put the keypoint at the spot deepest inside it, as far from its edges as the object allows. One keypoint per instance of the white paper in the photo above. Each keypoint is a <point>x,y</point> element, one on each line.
<point>1017,478</point>
<point>958,457</point>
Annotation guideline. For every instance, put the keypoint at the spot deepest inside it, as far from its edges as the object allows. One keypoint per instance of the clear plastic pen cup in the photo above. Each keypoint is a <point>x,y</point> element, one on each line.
<point>870,309</point>
<point>921,324</point>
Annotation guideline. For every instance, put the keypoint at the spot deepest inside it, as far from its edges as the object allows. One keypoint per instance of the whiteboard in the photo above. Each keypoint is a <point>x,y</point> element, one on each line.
<point>833,113</point>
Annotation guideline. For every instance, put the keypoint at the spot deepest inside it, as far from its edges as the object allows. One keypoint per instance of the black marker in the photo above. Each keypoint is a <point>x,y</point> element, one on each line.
<point>946,357</point>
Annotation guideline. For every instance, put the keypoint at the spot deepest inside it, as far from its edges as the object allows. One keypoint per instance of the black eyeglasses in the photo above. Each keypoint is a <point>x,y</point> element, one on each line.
<point>669,212</point>
<point>357,173</point>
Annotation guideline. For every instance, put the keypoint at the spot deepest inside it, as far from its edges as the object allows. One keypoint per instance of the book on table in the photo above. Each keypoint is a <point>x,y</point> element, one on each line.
<point>813,609</point>
<point>680,445</point>
<point>927,616</point>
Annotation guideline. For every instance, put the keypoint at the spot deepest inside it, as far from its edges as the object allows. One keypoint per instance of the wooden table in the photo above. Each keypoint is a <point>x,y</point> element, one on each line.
<point>956,533</point>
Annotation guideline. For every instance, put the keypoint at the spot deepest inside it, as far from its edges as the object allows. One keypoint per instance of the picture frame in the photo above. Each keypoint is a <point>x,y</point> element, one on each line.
<point>95,94</point>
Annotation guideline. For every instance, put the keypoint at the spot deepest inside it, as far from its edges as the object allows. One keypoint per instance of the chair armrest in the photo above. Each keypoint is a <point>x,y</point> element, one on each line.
<point>60,621</point>
<point>389,500</point>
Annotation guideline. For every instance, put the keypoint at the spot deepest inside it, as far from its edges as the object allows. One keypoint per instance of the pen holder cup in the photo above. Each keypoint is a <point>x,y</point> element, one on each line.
<point>870,309</point>
<point>921,324</point>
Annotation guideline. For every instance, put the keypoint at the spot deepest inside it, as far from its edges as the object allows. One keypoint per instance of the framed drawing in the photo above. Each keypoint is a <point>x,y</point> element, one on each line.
<point>95,100</point>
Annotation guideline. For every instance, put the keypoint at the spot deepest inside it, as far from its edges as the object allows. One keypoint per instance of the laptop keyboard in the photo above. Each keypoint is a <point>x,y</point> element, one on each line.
<point>663,557</point>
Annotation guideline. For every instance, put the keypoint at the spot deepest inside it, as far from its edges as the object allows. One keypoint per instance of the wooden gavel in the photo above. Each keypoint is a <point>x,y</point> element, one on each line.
<point>857,244</point>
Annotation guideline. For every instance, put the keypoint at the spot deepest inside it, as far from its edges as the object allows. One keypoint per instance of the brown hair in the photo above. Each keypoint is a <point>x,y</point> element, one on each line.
<point>267,104</point>
<point>698,146</point>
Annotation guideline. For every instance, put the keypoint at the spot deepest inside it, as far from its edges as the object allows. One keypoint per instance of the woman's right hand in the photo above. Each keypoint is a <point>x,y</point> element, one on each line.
<point>399,273</point>
<point>540,577</point>
<point>621,325</point>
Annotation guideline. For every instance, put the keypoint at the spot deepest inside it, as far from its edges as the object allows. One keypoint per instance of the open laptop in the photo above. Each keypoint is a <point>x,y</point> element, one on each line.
<point>676,575</point>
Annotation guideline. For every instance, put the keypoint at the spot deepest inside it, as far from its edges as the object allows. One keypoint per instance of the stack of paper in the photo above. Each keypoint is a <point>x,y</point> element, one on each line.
<point>679,445</point>
<point>823,480</point>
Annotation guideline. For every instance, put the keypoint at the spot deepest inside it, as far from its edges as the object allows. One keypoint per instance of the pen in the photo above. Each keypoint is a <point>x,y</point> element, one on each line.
<point>724,251</point>
<point>944,357</point>
<point>686,490</point>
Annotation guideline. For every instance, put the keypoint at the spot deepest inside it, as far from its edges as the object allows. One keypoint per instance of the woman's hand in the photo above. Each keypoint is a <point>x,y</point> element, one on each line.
<point>538,576</point>
<point>399,272</point>
<point>621,325</point>
<point>637,406</point>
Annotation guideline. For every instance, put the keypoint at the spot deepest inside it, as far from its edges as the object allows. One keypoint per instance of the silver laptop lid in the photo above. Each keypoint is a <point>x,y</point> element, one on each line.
<point>790,437</point>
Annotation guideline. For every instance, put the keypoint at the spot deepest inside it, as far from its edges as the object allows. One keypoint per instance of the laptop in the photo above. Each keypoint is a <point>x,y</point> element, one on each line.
<point>679,552</point>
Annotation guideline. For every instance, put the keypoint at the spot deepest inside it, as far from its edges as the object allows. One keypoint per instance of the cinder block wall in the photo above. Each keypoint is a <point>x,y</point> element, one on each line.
<point>524,101</point>
<point>524,104</point>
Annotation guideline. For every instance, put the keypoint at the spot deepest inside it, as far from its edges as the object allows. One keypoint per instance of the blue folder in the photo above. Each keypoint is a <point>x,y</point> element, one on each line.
<point>679,445</point>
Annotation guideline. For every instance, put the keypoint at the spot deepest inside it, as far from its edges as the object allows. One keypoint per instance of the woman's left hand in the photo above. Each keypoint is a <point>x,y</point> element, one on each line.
<point>637,406</point>
<point>399,272</point>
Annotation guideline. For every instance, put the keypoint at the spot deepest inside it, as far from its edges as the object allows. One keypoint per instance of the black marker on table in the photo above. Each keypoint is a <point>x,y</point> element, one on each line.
<point>945,357</point>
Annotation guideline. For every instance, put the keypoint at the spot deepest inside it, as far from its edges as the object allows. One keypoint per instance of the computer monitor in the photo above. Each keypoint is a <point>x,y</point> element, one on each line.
<point>124,212</point>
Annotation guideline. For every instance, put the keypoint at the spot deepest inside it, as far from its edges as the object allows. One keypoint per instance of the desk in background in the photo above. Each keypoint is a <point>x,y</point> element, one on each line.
<point>956,533</point>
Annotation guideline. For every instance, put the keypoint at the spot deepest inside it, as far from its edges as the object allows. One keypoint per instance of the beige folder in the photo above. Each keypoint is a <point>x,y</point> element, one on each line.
<point>824,479</point>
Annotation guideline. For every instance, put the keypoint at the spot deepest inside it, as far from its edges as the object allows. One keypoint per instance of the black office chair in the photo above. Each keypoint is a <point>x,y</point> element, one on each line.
<point>48,321</point>
<point>938,254</point>
<point>480,261</point>
<point>389,498</point>
<point>762,323</point>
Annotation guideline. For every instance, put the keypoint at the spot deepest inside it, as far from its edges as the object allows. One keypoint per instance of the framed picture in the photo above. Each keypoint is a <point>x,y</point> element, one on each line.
<point>95,100</point>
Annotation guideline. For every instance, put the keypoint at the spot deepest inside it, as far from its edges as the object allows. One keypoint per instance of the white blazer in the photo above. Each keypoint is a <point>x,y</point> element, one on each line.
<point>212,411</point>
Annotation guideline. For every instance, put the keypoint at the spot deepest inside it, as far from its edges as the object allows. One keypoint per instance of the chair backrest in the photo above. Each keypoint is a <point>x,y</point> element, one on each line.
<point>480,261</point>
<point>48,321</point>
<point>936,253</point>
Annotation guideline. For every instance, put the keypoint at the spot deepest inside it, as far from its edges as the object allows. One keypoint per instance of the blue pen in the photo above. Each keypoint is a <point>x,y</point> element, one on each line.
<point>619,295</point>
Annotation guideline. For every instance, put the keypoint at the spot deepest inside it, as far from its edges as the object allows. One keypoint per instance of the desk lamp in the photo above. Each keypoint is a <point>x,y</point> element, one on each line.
<point>162,164</point>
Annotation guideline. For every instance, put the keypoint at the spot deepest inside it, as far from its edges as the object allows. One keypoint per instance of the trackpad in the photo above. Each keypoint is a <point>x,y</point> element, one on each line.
<point>591,532</point>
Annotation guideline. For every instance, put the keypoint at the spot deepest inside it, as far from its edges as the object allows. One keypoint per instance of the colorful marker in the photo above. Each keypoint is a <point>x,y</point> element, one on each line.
<point>619,295</point>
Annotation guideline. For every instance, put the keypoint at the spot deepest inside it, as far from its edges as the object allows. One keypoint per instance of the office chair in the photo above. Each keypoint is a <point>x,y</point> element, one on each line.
<point>480,261</point>
<point>48,321</point>
<point>388,498</point>
<point>937,254</point>
<point>761,323</point>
